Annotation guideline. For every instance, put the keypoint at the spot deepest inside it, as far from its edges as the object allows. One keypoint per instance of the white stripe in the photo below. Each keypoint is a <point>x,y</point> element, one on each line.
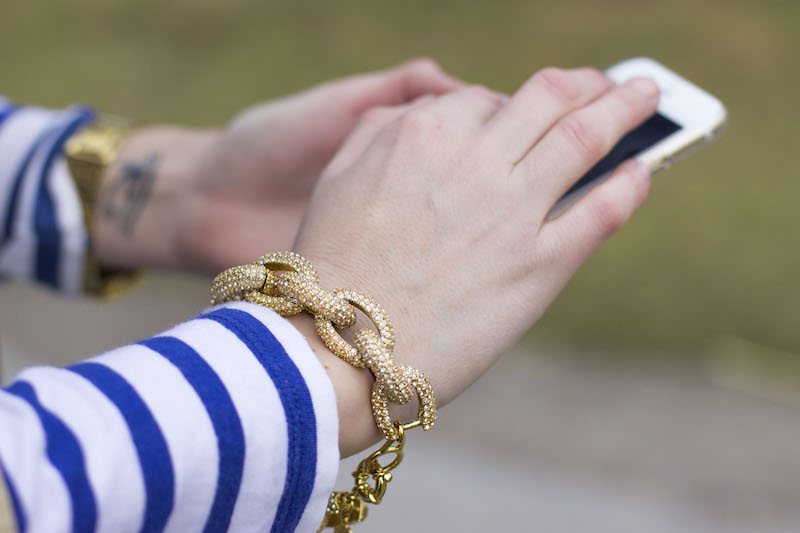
<point>40,487</point>
<point>112,464</point>
<point>185,425</point>
<point>323,398</point>
<point>74,238</point>
<point>17,135</point>
<point>30,183</point>
<point>17,258</point>
<point>261,413</point>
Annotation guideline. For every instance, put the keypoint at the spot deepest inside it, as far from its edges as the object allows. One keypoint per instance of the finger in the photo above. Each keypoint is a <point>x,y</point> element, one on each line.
<point>369,125</point>
<point>541,101</point>
<point>598,215</point>
<point>580,139</point>
<point>397,85</point>
<point>472,105</point>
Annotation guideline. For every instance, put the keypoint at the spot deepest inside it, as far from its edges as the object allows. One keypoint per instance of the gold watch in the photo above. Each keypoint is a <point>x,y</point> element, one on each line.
<point>89,152</point>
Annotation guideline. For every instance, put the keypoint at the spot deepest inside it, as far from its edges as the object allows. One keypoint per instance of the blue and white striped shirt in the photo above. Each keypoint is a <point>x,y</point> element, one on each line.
<point>227,422</point>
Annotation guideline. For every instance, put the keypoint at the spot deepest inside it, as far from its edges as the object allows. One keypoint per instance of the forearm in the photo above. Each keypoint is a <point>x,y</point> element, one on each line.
<point>137,221</point>
<point>226,421</point>
<point>145,196</point>
<point>357,429</point>
<point>353,387</point>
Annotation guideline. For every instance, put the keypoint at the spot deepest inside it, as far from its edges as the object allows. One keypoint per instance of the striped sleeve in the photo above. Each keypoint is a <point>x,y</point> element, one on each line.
<point>42,234</point>
<point>224,423</point>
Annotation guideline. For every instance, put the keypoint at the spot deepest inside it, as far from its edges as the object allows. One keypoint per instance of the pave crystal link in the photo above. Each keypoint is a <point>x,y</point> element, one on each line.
<point>374,312</point>
<point>297,288</point>
<point>237,282</point>
<point>321,303</point>
<point>288,284</point>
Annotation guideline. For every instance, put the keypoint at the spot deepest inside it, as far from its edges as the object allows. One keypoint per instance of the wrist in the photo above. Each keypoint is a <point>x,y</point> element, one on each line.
<point>374,392</point>
<point>357,429</point>
<point>144,195</point>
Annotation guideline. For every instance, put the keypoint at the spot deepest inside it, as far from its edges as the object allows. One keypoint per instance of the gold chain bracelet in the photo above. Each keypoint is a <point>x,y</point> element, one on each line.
<point>288,284</point>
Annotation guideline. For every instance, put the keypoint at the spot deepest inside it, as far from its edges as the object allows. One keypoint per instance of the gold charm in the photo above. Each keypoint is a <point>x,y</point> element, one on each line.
<point>344,508</point>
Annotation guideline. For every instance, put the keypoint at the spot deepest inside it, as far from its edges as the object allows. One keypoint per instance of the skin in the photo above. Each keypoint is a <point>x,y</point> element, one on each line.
<point>435,205</point>
<point>440,211</point>
<point>221,197</point>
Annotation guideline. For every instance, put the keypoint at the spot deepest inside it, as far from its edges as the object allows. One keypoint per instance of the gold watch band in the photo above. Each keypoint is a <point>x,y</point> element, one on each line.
<point>89,153</point>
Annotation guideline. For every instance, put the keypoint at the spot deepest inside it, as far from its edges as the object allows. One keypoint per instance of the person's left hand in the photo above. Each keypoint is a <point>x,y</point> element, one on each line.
<point>206,200</point>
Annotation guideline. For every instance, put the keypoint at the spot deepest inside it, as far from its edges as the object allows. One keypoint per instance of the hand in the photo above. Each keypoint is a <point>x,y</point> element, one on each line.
<point>206,200</point>
<point>438,210</point>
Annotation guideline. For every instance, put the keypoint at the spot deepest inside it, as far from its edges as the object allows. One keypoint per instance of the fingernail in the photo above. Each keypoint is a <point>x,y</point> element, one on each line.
<point>644,86</point>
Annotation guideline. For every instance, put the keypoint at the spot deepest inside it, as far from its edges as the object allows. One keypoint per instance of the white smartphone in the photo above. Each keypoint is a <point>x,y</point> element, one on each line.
<point>687,118</point>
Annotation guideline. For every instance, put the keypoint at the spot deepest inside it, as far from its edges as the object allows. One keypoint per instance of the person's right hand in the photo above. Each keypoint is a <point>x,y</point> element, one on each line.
<point>438,210</point>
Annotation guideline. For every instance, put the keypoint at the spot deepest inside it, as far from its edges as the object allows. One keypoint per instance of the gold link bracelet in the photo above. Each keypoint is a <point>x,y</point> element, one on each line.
<point>288,284</point>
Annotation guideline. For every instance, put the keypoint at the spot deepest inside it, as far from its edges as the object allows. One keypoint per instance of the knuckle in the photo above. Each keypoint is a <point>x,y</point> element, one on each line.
<point>611,214</point>
<point>419,123</point>
<point>583,136</point>
<point>558,82</point>
<point>595,75</point>
<point>596,78</point>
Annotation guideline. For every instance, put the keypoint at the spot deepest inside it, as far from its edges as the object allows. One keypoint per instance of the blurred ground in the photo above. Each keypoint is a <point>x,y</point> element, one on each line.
<point>550,444</point>
<point>658,394</point>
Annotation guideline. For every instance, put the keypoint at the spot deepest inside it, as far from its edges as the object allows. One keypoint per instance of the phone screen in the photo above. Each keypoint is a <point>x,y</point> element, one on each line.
<point>650,132</point>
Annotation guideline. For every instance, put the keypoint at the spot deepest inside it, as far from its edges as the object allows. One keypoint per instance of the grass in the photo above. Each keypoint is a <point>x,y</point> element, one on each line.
<point>711,254</point>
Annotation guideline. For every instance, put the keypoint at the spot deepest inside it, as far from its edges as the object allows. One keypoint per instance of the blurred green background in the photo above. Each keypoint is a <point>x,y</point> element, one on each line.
<point>710,255</point>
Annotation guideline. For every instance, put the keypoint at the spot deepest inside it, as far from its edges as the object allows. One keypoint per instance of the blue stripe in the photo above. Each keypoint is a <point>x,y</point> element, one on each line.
<point>224,418</point>
<point>7,112</point>
<point>16,187</point>
<point>298,409</point>
<point>48,243</point>
<point>22,524</point>
<point>64,452</point>
<point>147,438</point>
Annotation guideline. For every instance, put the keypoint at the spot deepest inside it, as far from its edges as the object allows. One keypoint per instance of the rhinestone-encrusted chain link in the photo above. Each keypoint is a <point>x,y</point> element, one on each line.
<point>297,289</point>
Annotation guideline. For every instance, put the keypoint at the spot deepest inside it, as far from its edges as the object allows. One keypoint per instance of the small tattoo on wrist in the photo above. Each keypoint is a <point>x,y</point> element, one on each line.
<point>128,192</point>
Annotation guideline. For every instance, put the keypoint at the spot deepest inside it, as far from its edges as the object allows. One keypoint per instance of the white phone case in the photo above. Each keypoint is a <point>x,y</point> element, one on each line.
<point>701,118</point>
